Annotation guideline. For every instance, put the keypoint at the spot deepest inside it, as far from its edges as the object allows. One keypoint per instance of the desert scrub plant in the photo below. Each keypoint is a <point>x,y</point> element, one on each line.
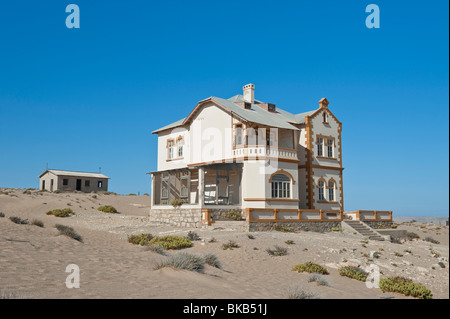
<point>311,268</point>
<point>250,236</point>
<point>18,220</point>
<point>431,240</point>
<point>193,236</point>
<point>176,203</point>
<point>289,242</point>
<point>397,254</point>
<point>353,272</point>
<point>300,293</point>
<point>277,251</point>
<point>156,249</point>
<point>412,235</point>
<point>232,214</point>
<point>394,226</point>
<point>141,239</point>
<point>2,214</point>
<point>184,261</point>
<point>335,229</point>
<point>284,229</point>
<point>107,209</point>
<point>37,222</point>
<point>319,279</point>
<point>65,212</point>
<point>212,240</point>
<point>212,260</point>
<point>171,242</point>
<point>69,232</point>
<point>230,245</point>
<point>405,286</point>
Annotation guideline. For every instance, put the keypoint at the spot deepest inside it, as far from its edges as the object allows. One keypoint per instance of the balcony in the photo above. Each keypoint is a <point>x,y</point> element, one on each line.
<point>256,151</point>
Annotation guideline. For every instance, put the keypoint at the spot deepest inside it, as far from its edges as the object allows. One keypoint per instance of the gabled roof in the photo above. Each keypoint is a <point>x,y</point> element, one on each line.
<point>256,114</point>
<point>58,172</point>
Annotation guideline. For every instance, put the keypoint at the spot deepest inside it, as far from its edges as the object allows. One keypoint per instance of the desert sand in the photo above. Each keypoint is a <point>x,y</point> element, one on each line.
<point>33,260</point>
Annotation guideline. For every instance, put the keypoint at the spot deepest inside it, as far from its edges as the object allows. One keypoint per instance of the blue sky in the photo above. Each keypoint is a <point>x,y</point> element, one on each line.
<point>86,98</point>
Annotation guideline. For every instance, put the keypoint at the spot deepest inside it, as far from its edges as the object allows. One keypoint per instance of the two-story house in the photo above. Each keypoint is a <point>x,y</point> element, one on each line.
<point>240,153</point>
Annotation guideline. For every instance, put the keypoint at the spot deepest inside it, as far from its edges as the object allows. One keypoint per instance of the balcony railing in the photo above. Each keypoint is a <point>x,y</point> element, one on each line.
<point>292,215</point>
<point>255,151</point>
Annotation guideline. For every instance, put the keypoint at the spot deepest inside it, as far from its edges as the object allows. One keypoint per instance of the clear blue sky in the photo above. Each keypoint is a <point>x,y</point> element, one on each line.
<point>89,97</point>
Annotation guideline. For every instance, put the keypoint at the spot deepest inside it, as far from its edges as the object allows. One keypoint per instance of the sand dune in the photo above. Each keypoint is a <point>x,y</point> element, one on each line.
<point>33,259</point>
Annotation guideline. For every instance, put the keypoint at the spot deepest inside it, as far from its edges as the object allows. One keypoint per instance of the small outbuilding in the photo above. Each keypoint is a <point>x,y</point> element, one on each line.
<point>53,179</point>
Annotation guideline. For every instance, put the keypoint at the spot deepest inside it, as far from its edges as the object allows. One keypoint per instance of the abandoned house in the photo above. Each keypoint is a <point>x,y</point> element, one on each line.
<point>52,180</point>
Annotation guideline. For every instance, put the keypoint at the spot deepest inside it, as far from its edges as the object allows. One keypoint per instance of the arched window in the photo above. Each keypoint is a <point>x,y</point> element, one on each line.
<point>321,190</point>
<point>331,191</point>
<point>281,186</point>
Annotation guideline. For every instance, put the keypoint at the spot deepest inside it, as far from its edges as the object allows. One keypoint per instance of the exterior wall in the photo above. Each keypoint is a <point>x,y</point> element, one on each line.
<point>256,188</point>
<point>320,227</point>
<point>211,129</point>
<point>379,224</point>
<point>177,217</point>
<point>327,175</point>
<point>163,153</point>
<point>48,178</point>
<point>72,183</point>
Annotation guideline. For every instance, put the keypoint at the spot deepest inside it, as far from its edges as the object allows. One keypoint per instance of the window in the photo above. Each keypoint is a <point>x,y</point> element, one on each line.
<point>331,191</point>
<point>87,183</point>
<point>330,148</point>
<point>321,190</point>
<point>248,106</point>
<point>65,181</point>
<point>271,107</point>
<point>165,186</point>
<point>184,184</point>
<point>325,117</point>
<point>180,143</point>
<point>100,184</point>
<point>281,186</point>
<point>320,146</point>
<point>170,149</point>
<point>238,135</point>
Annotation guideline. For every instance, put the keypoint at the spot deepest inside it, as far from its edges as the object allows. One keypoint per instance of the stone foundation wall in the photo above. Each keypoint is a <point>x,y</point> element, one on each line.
<point>379,224</point>
<point>177,217</point>
<point>218,213</point>
<point>320,227</point>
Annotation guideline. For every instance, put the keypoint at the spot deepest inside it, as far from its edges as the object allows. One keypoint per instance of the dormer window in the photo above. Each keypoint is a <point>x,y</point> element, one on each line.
<point>271,107</point>
<point>247,106</point>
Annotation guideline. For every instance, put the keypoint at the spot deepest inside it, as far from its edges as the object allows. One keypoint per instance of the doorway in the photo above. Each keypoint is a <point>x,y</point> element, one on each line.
<point>78,185</point>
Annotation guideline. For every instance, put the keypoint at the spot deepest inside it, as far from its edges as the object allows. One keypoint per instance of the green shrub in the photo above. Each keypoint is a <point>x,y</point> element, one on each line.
<point>107,209</point>
<point>394,226</point>
<point>232,214</point>
<point>176,203</point>
<point>171,242</point>
<point>65,212</point>
<point>69,232</point>
<point>405,286</point>
<point>311,268</point>
<point>353,272</point>
<point>250,236</point>
<point>212,240</point>
<point>289,242</point>
<point>18,220</point>
<point>183,261</point>
<point>277,251</point>
<point>398,254</point>
<point>335,229</point>
<point>432,240</point>
<point>141,239</point>
<point>230,245</point>
<point>37,222</point>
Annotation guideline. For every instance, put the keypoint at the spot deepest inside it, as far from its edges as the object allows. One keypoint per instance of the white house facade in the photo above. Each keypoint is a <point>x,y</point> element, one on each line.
<point>241,153</point>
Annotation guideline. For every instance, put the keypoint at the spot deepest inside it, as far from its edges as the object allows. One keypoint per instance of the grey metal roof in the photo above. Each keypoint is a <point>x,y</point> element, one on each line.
<point>256,114</point>
<point>72,173</point>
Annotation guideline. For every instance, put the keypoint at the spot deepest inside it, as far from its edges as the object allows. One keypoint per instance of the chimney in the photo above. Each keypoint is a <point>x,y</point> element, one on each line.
<point>249,93</point>
<point>323,103</point>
